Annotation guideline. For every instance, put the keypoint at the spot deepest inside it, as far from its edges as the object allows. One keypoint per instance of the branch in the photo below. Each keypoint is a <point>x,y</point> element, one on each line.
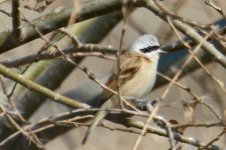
<point>52,21</point>
<point>217,8</point>
<point>67,120</point>
<point>82,48</point>
<point>95,8</point>
<point>160,132</point>
<point>40,89</point>
<point>188,31</point>
<point>16,20</point>
<point>53,76</point>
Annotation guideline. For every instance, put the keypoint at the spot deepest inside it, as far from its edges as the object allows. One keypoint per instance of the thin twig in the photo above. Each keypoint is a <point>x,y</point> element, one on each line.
<point>189,31</point>
<point>30,135</point>
<point>206,125</point>
<point>192,54</point>
<point>213,140</point>
<point>196,97</point>
<point>214,6</point>
<point>145,127</point>
<point>84,49</point>
<point>119,51</point>
<point>10,100</point>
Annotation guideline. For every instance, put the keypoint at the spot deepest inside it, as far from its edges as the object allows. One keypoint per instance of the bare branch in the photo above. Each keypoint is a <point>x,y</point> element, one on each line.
<point>16,20</point>
<point>38,88</point>
<point>214,6</point>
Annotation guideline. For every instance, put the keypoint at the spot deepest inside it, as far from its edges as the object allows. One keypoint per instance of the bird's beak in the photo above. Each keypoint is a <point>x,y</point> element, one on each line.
<point>161,51</point>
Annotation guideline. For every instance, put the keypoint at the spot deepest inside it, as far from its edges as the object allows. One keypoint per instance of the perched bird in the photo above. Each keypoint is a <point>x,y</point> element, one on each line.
<point>137,77</point>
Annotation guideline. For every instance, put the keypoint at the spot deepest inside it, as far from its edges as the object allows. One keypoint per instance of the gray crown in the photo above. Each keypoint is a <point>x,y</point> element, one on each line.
<point>144,41</point>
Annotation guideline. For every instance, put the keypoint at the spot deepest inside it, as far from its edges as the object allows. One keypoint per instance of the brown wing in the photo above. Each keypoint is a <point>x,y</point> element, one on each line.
<point>130,64</point>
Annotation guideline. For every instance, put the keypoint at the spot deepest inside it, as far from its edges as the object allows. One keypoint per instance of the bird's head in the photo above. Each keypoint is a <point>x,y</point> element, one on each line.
<point>147,45</point>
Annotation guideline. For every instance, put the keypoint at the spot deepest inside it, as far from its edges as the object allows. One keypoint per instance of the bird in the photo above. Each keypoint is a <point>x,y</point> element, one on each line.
<point>137,76</point>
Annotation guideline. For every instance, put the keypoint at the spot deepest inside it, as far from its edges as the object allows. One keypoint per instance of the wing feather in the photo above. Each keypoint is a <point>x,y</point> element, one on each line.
<point>130,65</point>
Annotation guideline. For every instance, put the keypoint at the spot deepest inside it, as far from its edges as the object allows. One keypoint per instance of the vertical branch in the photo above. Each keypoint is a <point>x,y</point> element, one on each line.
<point>16,19</point>
<point>118,53</point>
<point>74,13</point>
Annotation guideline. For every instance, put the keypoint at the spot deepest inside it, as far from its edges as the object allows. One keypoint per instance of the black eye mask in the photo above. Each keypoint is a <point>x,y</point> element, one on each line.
<point>149,49</point>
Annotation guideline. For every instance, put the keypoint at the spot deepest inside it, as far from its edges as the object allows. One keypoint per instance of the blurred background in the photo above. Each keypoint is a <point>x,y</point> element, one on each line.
<point>77,84</point>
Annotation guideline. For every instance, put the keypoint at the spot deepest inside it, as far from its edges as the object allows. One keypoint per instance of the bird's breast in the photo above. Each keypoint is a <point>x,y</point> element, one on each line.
<point>142,82</point>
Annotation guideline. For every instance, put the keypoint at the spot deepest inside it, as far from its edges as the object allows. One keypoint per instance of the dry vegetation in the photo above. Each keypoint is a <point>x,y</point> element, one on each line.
<point>55,57</point>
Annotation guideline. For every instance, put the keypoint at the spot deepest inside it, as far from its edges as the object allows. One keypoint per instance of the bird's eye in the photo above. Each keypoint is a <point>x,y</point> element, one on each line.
<point>149,49</point>
<point>152,48</point>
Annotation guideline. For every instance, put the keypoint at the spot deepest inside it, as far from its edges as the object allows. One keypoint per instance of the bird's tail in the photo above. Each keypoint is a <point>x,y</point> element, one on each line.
<point>99,116</point>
